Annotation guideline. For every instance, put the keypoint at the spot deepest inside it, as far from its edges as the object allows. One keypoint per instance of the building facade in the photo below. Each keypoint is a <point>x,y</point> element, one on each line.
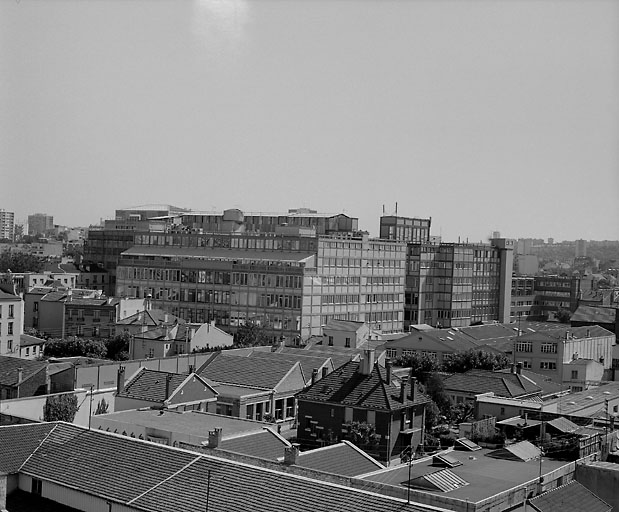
<point>290,284</point>
<point>11,321</point>
<point>40,224</point>
<point>7,225</point>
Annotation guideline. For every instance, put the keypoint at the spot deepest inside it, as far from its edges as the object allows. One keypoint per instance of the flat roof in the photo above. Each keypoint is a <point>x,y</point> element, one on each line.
<point>190,422</point>
<point>486,476</point>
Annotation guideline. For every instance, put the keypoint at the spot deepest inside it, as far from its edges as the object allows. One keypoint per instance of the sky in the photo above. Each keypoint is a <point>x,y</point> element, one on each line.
<point>483,115</point>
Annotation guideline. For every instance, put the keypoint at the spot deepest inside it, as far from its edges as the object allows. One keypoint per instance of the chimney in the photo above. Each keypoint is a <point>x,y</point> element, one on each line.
<point>191,368</point>
<point>3,490</point>
<point>314,376</point>
<point>567,335</point>
<point>588,333</point>
<point>168,382</point>
<point>325,371</point>
<point>403,388</point>
<point>519,368</point>
<point>388,368</point>
<point>214,438</point>
<point>367,363</point>
<point>413,388</point>
<point>120,380</point>
<point>291,453</point>
<point>165,318</point>
<point>20,375</point>
<point>513,368</point>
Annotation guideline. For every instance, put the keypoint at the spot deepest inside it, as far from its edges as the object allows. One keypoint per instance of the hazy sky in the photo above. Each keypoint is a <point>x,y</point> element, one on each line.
<point>485,115</point>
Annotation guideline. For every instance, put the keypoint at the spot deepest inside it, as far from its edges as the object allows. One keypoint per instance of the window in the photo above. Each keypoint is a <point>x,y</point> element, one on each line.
<point>549,348</point>
<point>11,310</point>
<point>574,374</point>
<point>27,351</point>
<point>37,486</point>
<point>547,365</point>
<point>330,341</point>
<point>250,412</point>
<point>392,352</point>
<point>96,315</point>
<point>347,343</point>
<point>10,328</point>
<point>10,345</point>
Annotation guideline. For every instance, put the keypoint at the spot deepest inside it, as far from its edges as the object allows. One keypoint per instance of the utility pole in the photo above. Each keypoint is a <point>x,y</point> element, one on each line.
<point>90,409</point>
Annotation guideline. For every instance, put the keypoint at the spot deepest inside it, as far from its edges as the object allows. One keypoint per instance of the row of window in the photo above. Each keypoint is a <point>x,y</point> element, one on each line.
<point>11,311</point>
<point>229,242</point>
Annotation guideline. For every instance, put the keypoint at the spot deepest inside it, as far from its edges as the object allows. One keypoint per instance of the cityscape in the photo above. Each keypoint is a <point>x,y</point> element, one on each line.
<point>328,256</point>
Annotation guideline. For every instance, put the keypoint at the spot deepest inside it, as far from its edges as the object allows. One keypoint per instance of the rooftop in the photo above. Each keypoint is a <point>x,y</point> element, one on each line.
<point>571,497</point>
<point>482,381</point>
<point>339,459</point>
<point>153,477</point>
<point>9,369</point>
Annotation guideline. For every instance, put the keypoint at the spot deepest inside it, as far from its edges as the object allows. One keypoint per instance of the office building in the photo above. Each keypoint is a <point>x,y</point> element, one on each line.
<point>291,284</point>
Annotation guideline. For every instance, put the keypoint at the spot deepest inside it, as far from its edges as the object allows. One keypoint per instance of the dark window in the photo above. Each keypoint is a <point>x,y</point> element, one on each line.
<point>36,486</point>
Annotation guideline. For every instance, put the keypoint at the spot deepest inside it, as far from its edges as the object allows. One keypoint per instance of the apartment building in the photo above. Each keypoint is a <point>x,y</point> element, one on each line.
<point>40,224</point>
<point>11,320</point>
<point>7,225</point>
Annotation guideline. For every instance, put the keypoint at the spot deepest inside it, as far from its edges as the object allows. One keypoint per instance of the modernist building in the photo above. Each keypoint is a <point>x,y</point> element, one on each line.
<point>7,225</point>
<point>405,229</point>
<point>291,284</point>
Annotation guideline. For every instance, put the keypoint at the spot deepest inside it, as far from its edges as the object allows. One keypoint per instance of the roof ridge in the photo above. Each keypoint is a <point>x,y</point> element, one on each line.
<point>198,457</point>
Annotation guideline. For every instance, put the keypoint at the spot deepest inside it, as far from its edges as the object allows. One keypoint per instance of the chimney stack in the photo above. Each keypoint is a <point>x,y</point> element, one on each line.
<point>513,368</point>
<point>120,380</point>
<point>403,389</point>
<point>291,453</point>
<point>314,376</point>
<point>388,368</point>
<point>214,438</point>
<point>413,388</point>
<point>20,375</point>
<point>367,363</point>
<point>168,382</point>
<point>519,368</point>
<point>325,371</point>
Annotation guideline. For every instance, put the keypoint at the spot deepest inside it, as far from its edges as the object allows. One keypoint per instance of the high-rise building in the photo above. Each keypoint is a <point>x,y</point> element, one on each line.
<point>40,224</point>
<point>453,284</point>
<point>405,229</point>
<point>581,248</point>
<point>7,225</point>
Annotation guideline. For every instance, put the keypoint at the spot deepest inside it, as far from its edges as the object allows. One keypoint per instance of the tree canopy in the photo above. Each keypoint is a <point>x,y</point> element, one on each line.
<point>20,262</point>
<point>250,335</point>
<point>475,359</point>
<point>73,347</point>
<point>60,408</point>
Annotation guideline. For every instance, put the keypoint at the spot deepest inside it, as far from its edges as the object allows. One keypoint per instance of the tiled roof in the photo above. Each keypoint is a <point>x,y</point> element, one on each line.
<point>348,386</point>
<point>563,425</point>
<point>150,317</point>
<point>23,440</point>
<point>10,365</point>
<point>245,371</point>
<point>339,459</point>
<point>343,325</point>
<point>547,385</point>
<point>594,314</point>
<point>481,381</point>
<point>571,497</point>
<point>157,478</point>
<point>4,296</point>
<point>523,451</point>
<point>25,340</point>
<point>307,361</point>
<point>151,385</point>
<point>558,334</point>
<point>264,445</point>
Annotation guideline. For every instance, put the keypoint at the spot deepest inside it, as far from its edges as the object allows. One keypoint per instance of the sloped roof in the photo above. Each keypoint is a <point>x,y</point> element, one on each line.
<point>563,425</point>
<point>523,451</point>
<point>264,445</point>
<point>157,478</point>
<point>9,369</point>
<point>443,480</point>
<point>589,331</point>
<point>4,296</point>
<point>571,497</point>
<point>245,372</point>
<point>23,440</point>
<point>307,361</point>
<point>594,314</point>
<point>548,386</point>
<point>482,381</point>
<point>151,385</point>
<point>25,340</point>
<point>150,318</point>
<point>339,459</point>
<point>344,325</point>
<point>348,386</point>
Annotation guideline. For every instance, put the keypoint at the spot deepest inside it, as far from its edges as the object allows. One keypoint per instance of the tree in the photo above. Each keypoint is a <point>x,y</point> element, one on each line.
<point>363,434</point>
<point>435,389</point>
<point>60,408</point>
<point>118,347</point>
<point>475,359</point>
<point>421,365</point>
<point>74,347</point>
<point>250,334</point>
<point>563,315</point>
<point>20,262</point>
